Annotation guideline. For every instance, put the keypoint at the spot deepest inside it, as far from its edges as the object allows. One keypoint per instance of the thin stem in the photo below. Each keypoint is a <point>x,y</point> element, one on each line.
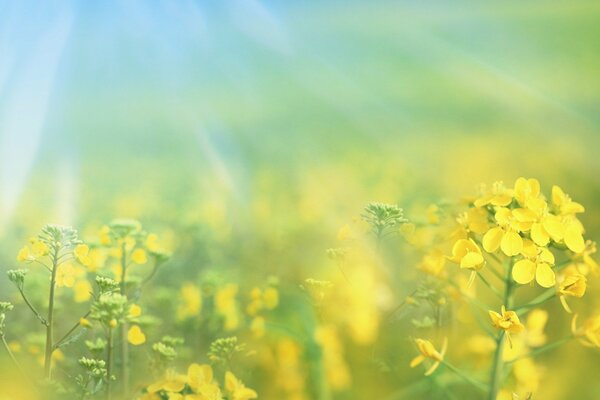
<point>398,307</point>
<point>73,329</point>
<point>109,357</point>
<point>123,336</point>
<point>49,325</point>
<point>32,308</point>
<point>12,357</point>
<point>543,349</point>
<point>489,285</point>
<point>44,265</point>
<point>541,299</point>
<point>479,385</point>
<point>498,363</point>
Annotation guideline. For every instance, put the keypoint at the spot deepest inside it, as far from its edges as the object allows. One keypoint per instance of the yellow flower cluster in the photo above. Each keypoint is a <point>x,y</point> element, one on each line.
<point>197,384</point>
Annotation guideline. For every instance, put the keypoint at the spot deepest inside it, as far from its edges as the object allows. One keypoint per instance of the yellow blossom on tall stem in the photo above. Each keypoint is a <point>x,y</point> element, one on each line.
<point>498,195</point>
<point>589,333</point>
<point>573,285</point>
<point>506,235</point>
<point>428,351</point>
<point>508,321</point>
<point>536,264</point>
<point>236,389</point>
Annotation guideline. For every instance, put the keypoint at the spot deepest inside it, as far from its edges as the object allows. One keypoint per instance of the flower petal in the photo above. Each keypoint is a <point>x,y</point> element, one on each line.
<point>511,243</point>
<point>523,271</point>
<point>544,275</point>
<point>492,239</point>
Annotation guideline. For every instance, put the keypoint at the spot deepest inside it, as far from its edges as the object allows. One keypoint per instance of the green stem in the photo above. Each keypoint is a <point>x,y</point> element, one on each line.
<point>489,285</point>
<point>474,382</point>
<point>50,319</point>
<point>12,357</point>
<point>539,300</point>
<point>498,363</point>
<point>123,336</point>
<point>73,329</point>
<point>32,308</point>
<point>109,364</point>
<point>543,349</point>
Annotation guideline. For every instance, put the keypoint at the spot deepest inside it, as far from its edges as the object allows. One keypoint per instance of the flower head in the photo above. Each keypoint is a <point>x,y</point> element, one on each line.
<point>536,264</point>
<point>428,351</point>
<point>508,321</point>
<point>574,285</point>
<point>589,333</point>
<point>466,253</point>
<point>237,389</point>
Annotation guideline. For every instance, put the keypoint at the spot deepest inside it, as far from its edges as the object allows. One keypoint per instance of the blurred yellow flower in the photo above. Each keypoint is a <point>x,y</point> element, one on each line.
<point>236,389</point>
<point>82,291</point>
<point>65,275</point>
<point>81,253</point>
<point>589,333</point>
<point>226,306</point>
<point>563,202</point>
<point>428,351</point>
<point>135,311</point>
<point>190,301</point>
<point>139,256</point>
<point>573,285</point>
<point>467,254</point>
<point>135,336</point>
<point>497,195</point>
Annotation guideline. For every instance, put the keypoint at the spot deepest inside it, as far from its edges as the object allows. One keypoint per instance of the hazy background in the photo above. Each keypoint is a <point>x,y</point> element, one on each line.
<point>274,122</point>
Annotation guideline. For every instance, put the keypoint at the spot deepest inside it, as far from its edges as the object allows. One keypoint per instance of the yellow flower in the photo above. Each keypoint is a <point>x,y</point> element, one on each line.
<point>24,255</point>
<point>135,311</point>
<point>466,253</point>
<point>105,236</point>
<point>583,262</point>
<point>38,249</point>
<point>589,333</point>
<point>536,265</point>
<point>152,242</point>
<point>506,235</point>
<point>135,336</point>
<point>112,323</point>
<point>200,380</point>
<point>85,322</point>
<point>236,388</point>
<point>533,336</point>
<point>82,291</point>
<point>527,191</point>
<point>573,285</point>
<point>226,306</point>
<point>65,275</point>
<point>345,233</point>
<point>81,253</point>
<point>271,298</point>
<point>563,202</point>
<point>173,382</point>
<point>433,263</point>
<point>508,321</point>
<point>428,351</point>
<point>139,256</point>
<point>498,195</point>
<point>257,326</point>
<point>190,303</point>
